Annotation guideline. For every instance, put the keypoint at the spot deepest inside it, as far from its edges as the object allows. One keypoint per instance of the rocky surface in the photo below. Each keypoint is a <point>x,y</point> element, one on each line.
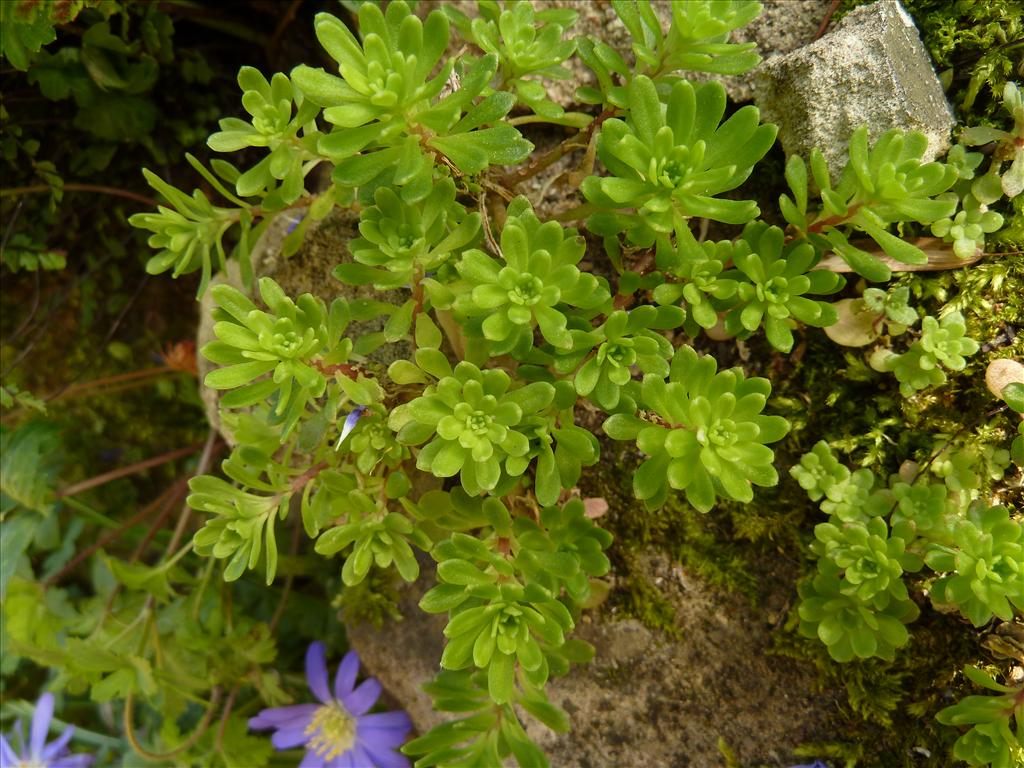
<point>648,698</point>
<point>872,69</point>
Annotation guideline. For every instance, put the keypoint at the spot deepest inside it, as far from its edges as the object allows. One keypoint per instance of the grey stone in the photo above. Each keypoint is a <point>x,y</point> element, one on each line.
<point>872,69</point>
<point>782,27</point>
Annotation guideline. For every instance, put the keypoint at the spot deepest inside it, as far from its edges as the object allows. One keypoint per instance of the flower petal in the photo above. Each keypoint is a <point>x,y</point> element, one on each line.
<point>7,755</point>
<point>312,760</point>
<point>53,749</point>
<point>316,671</point>
<point>74,761</point>
<point>350,422</point>
<point>280,717</point>
<point>286,738</point>
<point>40,726</point>
<point>359,757</point>
<point>345,680</point>
<point>385,758</point>
<point>386,721</point>
<point>387,729</point>
<point>362,698</point>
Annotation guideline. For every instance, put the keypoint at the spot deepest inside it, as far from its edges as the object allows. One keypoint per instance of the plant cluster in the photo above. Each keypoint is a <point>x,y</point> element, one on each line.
<point>438,406</point>
<point>992,738</point>
<point>883,537</point>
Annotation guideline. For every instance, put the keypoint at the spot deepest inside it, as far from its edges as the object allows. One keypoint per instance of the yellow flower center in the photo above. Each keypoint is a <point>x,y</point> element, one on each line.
<point>333,731</point>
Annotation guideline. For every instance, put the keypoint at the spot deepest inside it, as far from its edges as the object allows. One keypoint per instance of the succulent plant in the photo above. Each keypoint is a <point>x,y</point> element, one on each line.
<point>706,434</point>
<point>535,283</point>
<point>704,285</point>
<point>984,567</point>
<point>473,423</point>
<point>849,627</point>
<point>283,123</point>
<point>528,44</point>
<point>669,164</point>
<point>625,341</point>
<point>293,344</point>
<point>942,342</point>
<point>881,185</point>
<point>401,243</point>
<point>871,561</point>
<point>991,740</point>
<point>771,283</point>
<point>819,472</point>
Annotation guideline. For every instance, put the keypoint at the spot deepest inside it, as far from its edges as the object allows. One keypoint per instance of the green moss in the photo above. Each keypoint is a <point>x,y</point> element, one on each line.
<point>704,544</point>
<point>979,44</point>
<point>892,706</point>
<point>373,600</point>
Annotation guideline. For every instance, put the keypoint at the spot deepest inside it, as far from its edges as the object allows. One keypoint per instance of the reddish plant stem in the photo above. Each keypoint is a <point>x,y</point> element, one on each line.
<point>131,469</point>
<point>832,221</point>
<point>346,369</point>
<point>552,156</point>
<point>76,187</point>
<point>179,489</point>
<point>828,18</point>
<point>143,373</point>
<point>300,482</point>
<point>114,534</point>
<point>218,743</point>
<point>201,728</point>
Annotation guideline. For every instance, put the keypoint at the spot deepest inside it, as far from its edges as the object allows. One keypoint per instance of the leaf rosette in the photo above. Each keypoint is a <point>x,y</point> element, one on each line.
<point>772,279</point>
<point>849,627</point>
<point>984,566</point>
<point>668,164</point>
<point>625,341</point>
<point>537,283</point>
<point>286,342</point>
<point>709,436</point>
<point>474,425</point>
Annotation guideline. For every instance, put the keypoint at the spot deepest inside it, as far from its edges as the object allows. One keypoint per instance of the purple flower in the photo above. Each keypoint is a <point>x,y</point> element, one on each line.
<point>39,753</point>
<point>815,764</point>
<point>338,732</point>
<point>350,423</point>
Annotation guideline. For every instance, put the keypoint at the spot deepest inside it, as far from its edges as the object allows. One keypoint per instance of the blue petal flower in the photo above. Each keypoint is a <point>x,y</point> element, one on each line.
<point>345,680</point>
<point>316,671</point>
<point>363,697</point>
<point>350,423</point>
<point>52,755</point>
<point>337,733</point>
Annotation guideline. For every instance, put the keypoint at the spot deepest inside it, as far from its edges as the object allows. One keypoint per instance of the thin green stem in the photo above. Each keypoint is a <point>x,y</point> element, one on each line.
<point>157,757</point>
<point>24,710</point>
<point>96,517</point>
